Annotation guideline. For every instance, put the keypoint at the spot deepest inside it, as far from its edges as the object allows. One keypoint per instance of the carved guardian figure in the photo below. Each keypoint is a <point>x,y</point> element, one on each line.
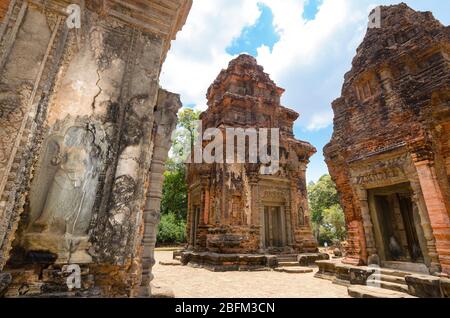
<point>63,194</point>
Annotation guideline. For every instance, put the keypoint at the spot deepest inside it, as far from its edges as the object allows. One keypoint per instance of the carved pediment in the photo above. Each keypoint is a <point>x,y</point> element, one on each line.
<point>274,195</point>
<point>381,171</point>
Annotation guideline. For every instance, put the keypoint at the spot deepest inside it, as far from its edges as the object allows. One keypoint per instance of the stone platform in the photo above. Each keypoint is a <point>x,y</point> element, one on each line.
<point>372,282</point>
<point>228,262</point>
<point>190,282</point>
<point>288,263</point>
<point>294,270</point>
<point>374,292</point>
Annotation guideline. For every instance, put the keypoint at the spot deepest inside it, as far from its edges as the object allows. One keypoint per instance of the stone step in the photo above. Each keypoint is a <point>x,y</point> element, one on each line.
<point>294,270</point>
<point>358,291</point>
<point>287,260</point>
<point>281,260</point>
<point>406,267</point>
<point>287,256</point>
<point>288,264</point>
<point>393,272</point>
<point>389,278</point>
<point>174,262</point>
<point>403,288</point>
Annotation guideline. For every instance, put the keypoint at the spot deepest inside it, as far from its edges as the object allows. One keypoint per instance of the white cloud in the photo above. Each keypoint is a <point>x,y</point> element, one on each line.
<point>198,54</point>
<point>309,60</point>
<point>320,120</point>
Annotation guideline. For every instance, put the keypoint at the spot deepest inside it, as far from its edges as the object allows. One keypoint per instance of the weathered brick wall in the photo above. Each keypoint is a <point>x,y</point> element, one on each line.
<point>386,105</point>
<point>3,8</point>
<point>238,239</point>
<point>446,147</point>
<point>233,195</point>
<point>445,140</point>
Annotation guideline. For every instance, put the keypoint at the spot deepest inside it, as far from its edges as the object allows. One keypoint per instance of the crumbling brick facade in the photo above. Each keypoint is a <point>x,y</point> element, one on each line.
<point>389,154</point>
<point>233,207</point>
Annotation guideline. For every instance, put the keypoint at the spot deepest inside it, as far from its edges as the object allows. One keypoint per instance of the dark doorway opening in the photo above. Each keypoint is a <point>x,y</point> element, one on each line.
<point>274,223</point>
<point>194,226</point>
<point>397,224</point>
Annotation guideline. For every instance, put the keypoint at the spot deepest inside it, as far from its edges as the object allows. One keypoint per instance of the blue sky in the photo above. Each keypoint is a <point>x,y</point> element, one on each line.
<point>260,33</point>
<point>305,45</point>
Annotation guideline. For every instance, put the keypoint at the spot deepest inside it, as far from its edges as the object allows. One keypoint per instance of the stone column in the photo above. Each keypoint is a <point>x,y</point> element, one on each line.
<point>168,105</point>
<point>357,244</point>
<point>262,224</point>
<point>205,201</point>
<point>437,211</point>
<point>367,222</point>
<point>285,227</point>
<point>254,209</point>
<point>270,238</point>
<point>427,244</point>
<point>189,220</point>
<point>289,225</point>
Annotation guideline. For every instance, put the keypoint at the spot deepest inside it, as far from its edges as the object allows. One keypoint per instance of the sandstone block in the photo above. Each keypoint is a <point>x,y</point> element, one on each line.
<point>424,286</point>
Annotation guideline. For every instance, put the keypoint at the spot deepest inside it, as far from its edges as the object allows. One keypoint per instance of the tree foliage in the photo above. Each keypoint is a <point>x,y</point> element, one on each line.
<point>326,213</point>
<point>171,230</point>
<point>185,135</point>
<point>174,197</point>
<point>175,190</point>
<point>333,225</point>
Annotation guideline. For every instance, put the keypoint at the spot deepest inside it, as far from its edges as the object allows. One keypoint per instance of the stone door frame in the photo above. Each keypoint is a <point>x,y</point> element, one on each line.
<point>194,200</point>
<point>275,191</point>
<point>379,239</point>
<point>283,225</point>
<point>398,169</point>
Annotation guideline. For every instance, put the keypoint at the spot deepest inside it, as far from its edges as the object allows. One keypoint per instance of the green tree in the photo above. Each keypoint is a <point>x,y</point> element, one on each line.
<point>174,196</point>
<point>171,230</point>
<point>326,214</point>
<point>333,225</point>
<point>185,135</point>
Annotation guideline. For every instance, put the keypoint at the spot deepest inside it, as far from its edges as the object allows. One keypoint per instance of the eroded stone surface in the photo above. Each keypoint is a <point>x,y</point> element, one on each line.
<point>424,286</point>
<point>294,270</point>
<point>374,292</point>
<point>445,287</point>
<point>5,281</point>
<point>80,177</point>
<point>391,132</point>
<point>235,207</point>
<point>306,259</point>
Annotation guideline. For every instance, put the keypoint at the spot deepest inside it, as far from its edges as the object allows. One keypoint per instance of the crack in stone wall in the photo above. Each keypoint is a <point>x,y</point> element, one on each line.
<point>96,101</point>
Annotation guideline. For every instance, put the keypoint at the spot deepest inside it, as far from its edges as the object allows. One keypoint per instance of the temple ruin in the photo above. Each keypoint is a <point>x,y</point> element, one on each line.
<point>390,151</point>
<point>236,214</point>
<point>85,133</point>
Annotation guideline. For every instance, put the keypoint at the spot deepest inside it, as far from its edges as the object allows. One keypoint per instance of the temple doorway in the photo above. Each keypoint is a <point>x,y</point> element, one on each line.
<point>194,226</point>
<point>398,232</point>
<point>274,224</point>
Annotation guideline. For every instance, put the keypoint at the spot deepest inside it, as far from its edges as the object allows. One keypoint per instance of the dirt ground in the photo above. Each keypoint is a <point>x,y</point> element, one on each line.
<point>188,282</point>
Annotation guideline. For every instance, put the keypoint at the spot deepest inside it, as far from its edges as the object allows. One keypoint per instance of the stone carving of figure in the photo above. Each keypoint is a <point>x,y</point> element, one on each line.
<point>301,216</point>
<point>63,196</point>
